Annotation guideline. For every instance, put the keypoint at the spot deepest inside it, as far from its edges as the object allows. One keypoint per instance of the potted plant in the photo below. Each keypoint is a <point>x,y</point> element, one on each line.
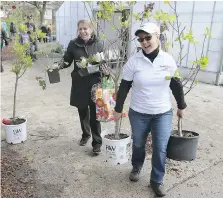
<point>53,73</point>
<point>117,141</point>
<point>183,143</point>
<point>15,127</point>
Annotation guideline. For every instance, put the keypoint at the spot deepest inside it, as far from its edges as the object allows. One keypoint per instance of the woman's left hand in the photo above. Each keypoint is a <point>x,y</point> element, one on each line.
<point>105,69</point>
<point>180,113</point>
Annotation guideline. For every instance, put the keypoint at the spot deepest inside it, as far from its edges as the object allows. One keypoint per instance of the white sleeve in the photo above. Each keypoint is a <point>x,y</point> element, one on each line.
<point>173,66</point>
<point>128,71</point>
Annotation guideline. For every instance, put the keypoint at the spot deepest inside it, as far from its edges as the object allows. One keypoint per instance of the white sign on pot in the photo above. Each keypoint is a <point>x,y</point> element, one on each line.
<point>116,151</point>
<point>15,133</point>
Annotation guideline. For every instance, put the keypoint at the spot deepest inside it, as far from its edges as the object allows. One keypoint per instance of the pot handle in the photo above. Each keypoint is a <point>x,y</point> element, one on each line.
<point>180,127</point>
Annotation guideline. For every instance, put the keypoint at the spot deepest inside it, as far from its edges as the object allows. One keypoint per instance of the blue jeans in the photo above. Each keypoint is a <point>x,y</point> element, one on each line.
<point>160,126</point>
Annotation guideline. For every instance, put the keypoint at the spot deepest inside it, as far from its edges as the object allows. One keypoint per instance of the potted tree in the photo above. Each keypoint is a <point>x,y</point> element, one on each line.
<point>15,127</point>
<point>183,143</point>
<point>117,141</point>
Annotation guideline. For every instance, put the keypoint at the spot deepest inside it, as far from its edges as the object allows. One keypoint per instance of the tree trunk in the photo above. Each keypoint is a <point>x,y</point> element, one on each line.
<point>15,92</point>
<point>42,12</point>
<point>53,17</point>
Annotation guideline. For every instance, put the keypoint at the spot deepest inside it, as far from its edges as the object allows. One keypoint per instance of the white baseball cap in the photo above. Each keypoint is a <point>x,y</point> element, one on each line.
<point>148,28</point>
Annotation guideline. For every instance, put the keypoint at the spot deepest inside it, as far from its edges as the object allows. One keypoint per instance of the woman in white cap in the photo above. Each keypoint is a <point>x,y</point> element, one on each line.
<point>150,107</point>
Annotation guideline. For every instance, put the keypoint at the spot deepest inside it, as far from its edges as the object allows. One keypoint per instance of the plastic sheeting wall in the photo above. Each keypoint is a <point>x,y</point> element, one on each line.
<point>195,15</point>
<point>67,17</point>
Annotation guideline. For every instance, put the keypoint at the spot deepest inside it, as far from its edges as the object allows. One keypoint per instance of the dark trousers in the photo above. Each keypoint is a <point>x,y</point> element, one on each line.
<point>45,40</point>
<point>1,61</point>
<point>90,125</point>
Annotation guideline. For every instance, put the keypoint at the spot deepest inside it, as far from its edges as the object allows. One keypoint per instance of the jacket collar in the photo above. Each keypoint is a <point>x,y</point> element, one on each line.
<point>81,43</point>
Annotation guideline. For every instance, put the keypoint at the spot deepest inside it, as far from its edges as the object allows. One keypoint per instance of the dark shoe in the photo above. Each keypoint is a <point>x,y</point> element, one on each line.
<point>158,189</point>
<point>84,141</point>
<point>97,150</point>
<point>134,175</point>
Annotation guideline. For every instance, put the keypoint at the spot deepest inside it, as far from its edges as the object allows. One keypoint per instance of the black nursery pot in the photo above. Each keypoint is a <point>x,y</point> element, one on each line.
<point>182,148</point>
<point>54,76</point>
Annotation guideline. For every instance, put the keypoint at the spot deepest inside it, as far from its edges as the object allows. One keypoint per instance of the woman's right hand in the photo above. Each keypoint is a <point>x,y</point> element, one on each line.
<point>117,115</point>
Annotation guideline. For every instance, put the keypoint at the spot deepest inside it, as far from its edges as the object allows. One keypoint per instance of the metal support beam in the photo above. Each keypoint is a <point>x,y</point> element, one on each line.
<point>191,24</point>
<point>220,68</point>
<point>212,17</point>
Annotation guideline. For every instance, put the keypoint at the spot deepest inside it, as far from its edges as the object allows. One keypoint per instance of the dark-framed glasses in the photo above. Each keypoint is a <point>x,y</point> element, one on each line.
<point>147,38</point>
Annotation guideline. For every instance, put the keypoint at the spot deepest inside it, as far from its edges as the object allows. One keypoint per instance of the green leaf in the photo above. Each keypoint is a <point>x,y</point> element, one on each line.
<point>167,44</point>
<point>177,39</point>
<point>203,62</point>
<point>136,16</point>
<point>207,32</point>
<point>121,7</point>
<point>172,17</point>
<point>168,77</point>
<point>103,36</point>
<point>99,15</point>
<point>177,75</point>
<point>166,2</point>
<point>196,82</point>
<point>130,3</point>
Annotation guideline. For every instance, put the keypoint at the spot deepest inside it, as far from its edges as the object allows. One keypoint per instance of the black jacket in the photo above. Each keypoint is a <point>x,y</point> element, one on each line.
<point>81,86</point>
<point>44,29</point>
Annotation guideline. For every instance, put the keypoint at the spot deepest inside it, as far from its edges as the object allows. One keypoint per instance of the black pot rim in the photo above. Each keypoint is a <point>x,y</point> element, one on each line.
<point>196,135</point>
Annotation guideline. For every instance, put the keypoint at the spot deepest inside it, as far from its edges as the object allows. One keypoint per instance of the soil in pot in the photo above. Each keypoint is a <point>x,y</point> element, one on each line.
<point>185,134</point>
<point>112,136</point>
<point>10,121</point>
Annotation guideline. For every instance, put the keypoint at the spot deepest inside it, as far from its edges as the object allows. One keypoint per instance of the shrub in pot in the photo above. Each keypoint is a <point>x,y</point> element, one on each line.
<point>183,143</point>
<point>15,127</point>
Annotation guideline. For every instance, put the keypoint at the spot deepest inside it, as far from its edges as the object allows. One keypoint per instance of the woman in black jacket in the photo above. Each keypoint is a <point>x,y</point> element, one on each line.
<point>84,45</point>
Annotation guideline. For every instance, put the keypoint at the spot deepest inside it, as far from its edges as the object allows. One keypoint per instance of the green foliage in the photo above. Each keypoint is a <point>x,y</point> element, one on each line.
<point>103,36</point>
<point>189,36</point>
<point>207,32</point>
<point>163,16</point>
<point>23,61</point>
<point>136,16</point>
<point>147,14</point>
<point>167,45</point>
<point>125,24</point>
<point>37,34</point>
<point>92,59</point>
<point>166,2</point>
<point>107,9</point>
<point>120,7</point>
<point>168,77</point>
<point>131,3</point>
<point>202,62</point>
<point>22,28</point>
<point>42,82</point>
<point>177,74</point>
